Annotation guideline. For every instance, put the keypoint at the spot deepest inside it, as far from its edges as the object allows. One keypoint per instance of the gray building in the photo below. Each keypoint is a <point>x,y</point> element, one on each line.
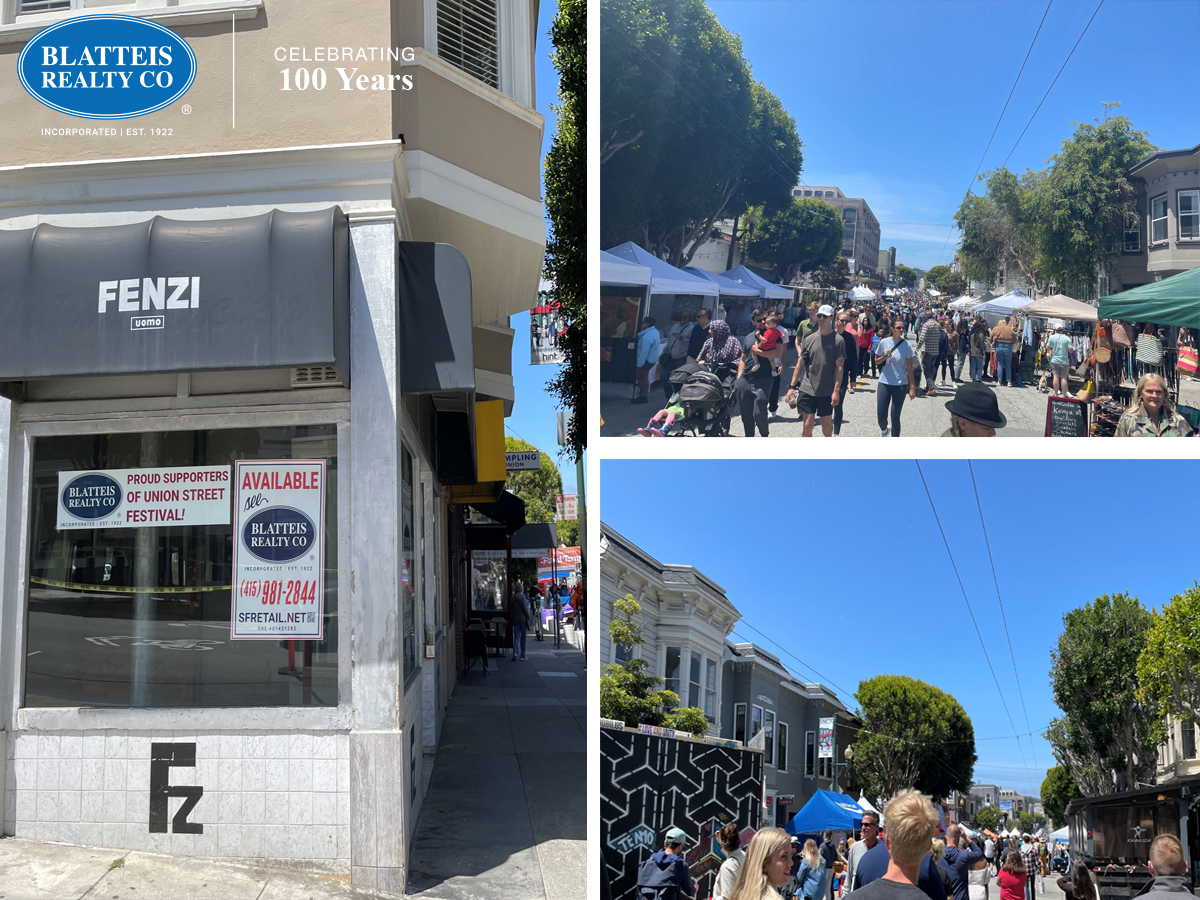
<point>860,228</point>
<point>759,694</point>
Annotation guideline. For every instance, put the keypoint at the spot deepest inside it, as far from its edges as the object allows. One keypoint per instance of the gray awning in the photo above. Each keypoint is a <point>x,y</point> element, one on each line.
<point>266,291</point>
<point>535,539</point>
<point>436,328</point>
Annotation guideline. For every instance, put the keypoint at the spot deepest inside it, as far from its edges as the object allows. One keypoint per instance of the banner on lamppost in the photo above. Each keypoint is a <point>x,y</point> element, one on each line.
<point>825,738</point>
<point>548,322</point>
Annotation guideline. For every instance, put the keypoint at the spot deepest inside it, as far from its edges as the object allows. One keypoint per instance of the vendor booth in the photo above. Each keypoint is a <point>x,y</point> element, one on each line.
<point>733,295</point>
<point>1001,307</point>
<point>624,294</point>
<point>826,809</point>
<point>737,313</point>
<point>671,289</point>
<point>860,294</point>
<point>961,304</point>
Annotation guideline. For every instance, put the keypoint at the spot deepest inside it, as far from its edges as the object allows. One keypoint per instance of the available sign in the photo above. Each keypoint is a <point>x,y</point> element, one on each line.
<point>523,459</point>
<point>134,498</point>
<point>279,550</point>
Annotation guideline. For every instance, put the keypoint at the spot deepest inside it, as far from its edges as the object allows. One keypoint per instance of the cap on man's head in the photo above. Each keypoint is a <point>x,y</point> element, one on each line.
<point>825,310</point>
<point>676,836</point>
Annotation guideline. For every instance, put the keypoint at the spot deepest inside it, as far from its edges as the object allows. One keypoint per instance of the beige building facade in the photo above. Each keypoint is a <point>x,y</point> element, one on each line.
<point>423,181</point>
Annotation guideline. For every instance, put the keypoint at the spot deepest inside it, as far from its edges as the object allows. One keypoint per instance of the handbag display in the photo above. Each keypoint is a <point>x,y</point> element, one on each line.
<point>1189,361</point>
<point>1122,334</point>
<point>1149,350</point>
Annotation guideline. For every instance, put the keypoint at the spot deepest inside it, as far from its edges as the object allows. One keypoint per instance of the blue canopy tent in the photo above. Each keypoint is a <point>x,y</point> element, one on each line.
<point>744,276</point>
<point>837,812</point>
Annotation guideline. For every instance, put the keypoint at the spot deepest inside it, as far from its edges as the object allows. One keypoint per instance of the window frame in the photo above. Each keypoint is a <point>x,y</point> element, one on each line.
<point>20,26</point>
<point>742,710</point>
<point>225,412</point>
<point>667,679</point>
<point>1187,727</point>
<point>1136,219</point>
<point>710,693</point>
<point>810,754</point>
<point>769,739</point>
<point>1164,218</point>
<point>781,744</point>
<point>1194,193</point>
<point>751,730</point>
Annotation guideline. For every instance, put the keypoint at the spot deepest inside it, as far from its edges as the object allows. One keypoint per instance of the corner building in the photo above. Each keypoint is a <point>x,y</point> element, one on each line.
<point>346,263</point>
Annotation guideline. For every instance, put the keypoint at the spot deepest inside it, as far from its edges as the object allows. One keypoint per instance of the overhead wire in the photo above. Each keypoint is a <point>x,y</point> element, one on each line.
<point>998,120</point>
<point>1049,89</point>
<point>1003,617</point>
<point>971,612</point>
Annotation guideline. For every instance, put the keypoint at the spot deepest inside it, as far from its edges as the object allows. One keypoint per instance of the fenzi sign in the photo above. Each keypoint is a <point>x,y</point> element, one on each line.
<point>136,498</point>
<point>106,67</point>
<point>279,550</point>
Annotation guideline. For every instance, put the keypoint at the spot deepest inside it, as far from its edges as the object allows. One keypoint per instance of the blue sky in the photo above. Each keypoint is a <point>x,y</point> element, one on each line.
<point>534,417</point>
<point>895,101</point>
<point>846,568</point>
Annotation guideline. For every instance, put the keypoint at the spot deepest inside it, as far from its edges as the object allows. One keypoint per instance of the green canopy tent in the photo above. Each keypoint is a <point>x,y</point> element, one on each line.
<point>1172,301</point>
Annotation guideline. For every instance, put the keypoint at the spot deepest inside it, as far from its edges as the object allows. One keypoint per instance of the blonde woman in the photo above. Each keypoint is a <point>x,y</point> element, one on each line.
<point>937,851</point>
<point>1151,413</point>
<point>765,867</point>
<point>812,874</point>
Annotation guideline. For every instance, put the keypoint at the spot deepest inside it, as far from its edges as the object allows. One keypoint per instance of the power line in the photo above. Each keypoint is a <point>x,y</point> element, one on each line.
<point>971,612</point>
<point>1049,89</point>
<point>825,679</point>
<point>994,130</point>
<point>1003,618</point>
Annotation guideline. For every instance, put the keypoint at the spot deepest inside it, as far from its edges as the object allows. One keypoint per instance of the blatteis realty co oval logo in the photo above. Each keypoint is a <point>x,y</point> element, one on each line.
<point>91,496</point>
<point>107,67</point>
<point>279,534</point>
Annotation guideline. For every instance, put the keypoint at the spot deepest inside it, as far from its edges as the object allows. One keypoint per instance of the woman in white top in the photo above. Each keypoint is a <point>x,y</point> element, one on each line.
<point>978,875</point>
<point>731,843</point>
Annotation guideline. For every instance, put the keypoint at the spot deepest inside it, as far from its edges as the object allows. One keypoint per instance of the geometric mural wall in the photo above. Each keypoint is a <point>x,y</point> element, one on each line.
<point>649,784</point>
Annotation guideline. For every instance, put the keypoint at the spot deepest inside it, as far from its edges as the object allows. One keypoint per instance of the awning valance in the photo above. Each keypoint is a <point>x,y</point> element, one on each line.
<point>436,326</point>
<point>266,291</point>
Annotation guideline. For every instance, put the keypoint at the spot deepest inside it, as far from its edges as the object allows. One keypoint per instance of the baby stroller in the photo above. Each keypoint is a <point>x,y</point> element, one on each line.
<point>705,397</point>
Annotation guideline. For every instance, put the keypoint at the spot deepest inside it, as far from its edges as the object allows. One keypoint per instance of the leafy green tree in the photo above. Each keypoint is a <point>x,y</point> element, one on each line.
<point>1168,667</point>
<point>988,817</point>
<point>933,277</point>
<point>1026,820</point>
<point>1058,790</point>
<point>834,274</point>
<point>801,237</point>
<point>539,488</point>
<point>675,159</point>
<point>568,532</point>
<point>565,178</point>
<point>1107,738</point>
<point>1085,199</point>
<point>1001,230</point>
<point>907,277</point>
<point>913,736</point>
<point>628,694</point>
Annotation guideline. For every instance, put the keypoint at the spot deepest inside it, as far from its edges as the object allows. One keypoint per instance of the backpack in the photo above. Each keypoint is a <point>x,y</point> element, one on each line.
<point>943,344</point>
<point>657,883</point>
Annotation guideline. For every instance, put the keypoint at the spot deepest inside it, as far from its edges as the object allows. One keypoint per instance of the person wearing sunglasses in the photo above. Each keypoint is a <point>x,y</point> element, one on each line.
<point>822,363</point>
<point>754,377</point>
<point>895,359</point>
<point>850,373</point>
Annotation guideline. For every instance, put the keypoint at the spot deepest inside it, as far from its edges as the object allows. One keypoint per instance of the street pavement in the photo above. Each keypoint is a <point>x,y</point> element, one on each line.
<point>1023,407</point>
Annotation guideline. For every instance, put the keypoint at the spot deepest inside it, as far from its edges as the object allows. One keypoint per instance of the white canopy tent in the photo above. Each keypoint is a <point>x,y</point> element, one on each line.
<point>1062,835</point>
<point>962,303</point>
<point>934,292</point>
<point>615,270</point>
<point>861,293</point>
<point>889,293</point>
<point>766,289</point>
<point>867,807</point>
<point>1059,306</point>
<point>664,277</point>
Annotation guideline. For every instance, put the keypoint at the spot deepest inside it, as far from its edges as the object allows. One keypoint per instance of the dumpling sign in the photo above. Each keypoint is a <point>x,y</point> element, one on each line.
<point>279,550</point>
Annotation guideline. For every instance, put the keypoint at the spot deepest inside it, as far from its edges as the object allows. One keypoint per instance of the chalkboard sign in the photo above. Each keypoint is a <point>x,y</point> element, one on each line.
<point>1066,417</point>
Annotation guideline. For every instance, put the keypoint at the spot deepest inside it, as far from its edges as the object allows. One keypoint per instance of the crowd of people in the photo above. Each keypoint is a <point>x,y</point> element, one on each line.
<point>905,862</point>
<point>903,346</point>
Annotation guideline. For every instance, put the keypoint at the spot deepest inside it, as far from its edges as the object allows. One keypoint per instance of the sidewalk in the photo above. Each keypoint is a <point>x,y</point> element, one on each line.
<point>505,817</point>
<point>34,870</point>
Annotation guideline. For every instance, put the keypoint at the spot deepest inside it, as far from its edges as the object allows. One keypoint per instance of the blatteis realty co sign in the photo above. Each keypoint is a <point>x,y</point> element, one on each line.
<point>106,67</point>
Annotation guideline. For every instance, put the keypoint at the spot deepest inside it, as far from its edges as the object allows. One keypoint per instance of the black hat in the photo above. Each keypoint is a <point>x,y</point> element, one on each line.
<point>976,402</point>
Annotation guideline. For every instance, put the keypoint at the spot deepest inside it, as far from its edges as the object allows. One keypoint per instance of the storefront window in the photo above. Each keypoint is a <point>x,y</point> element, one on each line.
<point>407,557</point>
<point>488,568</point>
<point>140,616</point>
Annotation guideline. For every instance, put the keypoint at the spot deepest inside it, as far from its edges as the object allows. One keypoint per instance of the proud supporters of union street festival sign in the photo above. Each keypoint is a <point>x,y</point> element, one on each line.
<point>279,549</point>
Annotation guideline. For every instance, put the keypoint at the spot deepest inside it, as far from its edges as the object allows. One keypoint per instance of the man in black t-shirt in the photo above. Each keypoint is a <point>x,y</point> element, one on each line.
<point>754,379</point>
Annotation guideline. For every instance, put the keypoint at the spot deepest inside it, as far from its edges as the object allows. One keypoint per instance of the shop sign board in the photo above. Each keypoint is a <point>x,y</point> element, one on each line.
<point>567,507</point>
<point>106,67</point>
<point>825,738</point>
<point>521,460</point>
<point>137,498</point>
<point>278,550</point>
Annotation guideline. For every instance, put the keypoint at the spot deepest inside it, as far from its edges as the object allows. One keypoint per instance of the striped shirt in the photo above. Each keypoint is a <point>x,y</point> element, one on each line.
<point>928,339</point>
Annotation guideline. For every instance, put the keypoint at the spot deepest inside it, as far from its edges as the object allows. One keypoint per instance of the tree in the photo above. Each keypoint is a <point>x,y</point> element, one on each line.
<point>934,276</point>
<point>628,694</point>
<point>1026,820</point>
<point>675,159</point>
<point>1086,198</point>
<point>1058,790</point>
<point>804,235</point>
<point>1168,667</point>
<point>988,817</point>
<point>565,264</point>
<point>1107,738</point>
<point>539,488</point>
<point>913,735</point>
<point>906,277</point>
<point>568,532</point>
<point>1001,230</point>
<point>834,274</point>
